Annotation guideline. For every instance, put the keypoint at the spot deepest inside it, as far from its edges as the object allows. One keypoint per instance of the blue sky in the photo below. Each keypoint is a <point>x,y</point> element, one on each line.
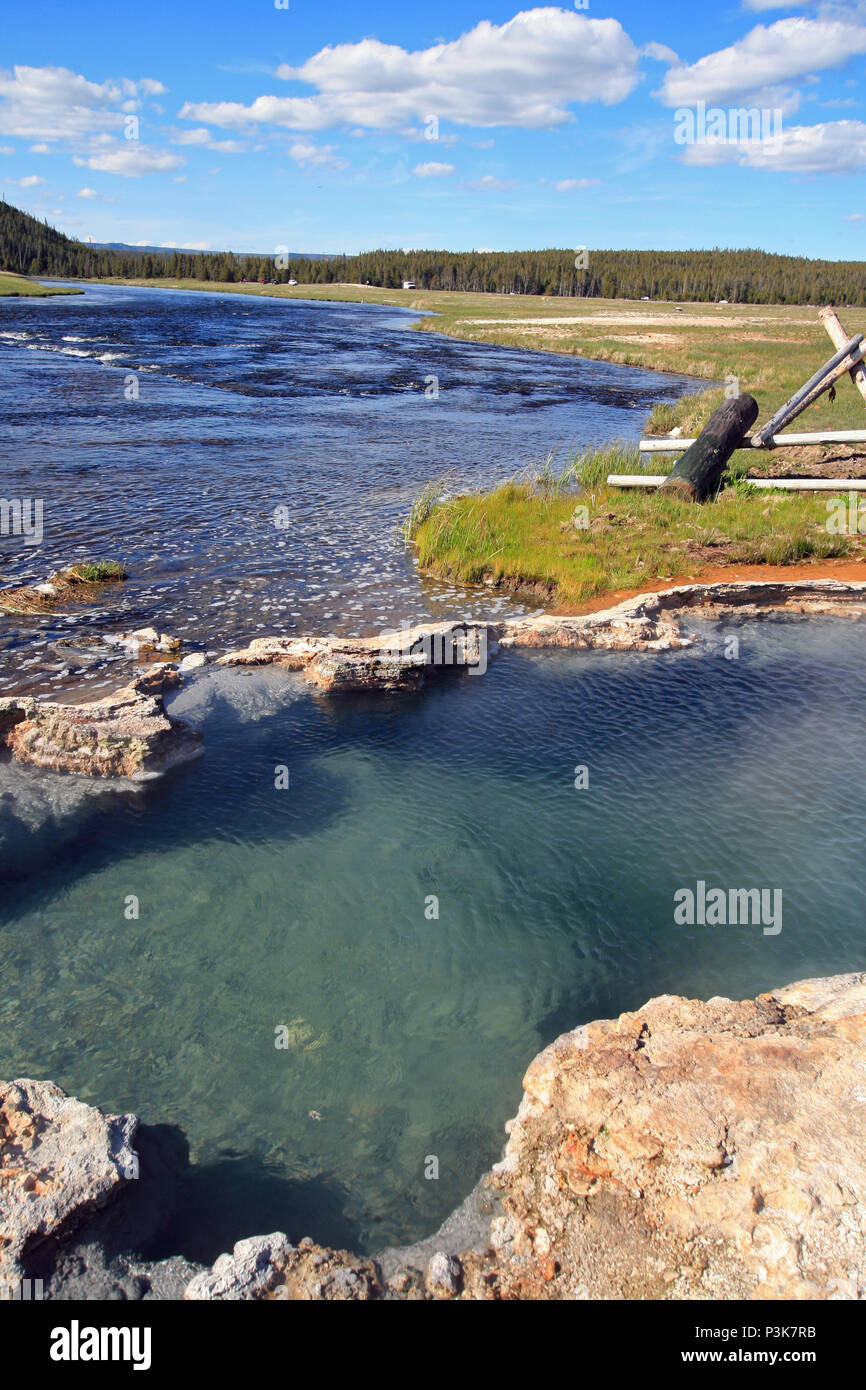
<point>309,127</point>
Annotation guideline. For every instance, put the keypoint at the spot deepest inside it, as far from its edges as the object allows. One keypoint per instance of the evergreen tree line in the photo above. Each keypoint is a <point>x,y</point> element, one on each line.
<point>30,247</point>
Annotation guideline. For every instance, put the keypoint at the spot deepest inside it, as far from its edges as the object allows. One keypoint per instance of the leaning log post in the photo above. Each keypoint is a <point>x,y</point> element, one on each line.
<point>841,362</point>
<point>698,473</point>
<point>830,320</point>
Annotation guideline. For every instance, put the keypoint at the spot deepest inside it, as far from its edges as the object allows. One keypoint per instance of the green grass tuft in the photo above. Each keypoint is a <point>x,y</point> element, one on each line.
<point>96,572</point>
<point>567,533</point>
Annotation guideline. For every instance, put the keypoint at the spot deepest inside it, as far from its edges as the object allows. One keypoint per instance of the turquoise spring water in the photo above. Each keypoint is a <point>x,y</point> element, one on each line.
<point>309,908</point>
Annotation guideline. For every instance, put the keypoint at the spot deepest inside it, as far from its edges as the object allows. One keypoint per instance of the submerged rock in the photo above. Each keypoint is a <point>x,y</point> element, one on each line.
<point>193,662</point>
<point>146,639</point>
<point>83,583</point>
<point>126,734</point>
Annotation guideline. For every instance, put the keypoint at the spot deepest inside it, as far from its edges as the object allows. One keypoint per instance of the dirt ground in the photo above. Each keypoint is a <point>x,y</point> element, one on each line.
<point>845,570</point>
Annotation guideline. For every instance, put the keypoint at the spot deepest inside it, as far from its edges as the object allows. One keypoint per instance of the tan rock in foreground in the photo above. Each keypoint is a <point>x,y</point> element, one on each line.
<point>694,1150</point>
<point>126,734</point>
<point>59,1160</point>
<point>271,1267</point>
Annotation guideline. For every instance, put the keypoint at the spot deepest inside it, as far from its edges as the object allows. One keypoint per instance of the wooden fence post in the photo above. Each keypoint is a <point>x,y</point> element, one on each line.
<point>849,354</point>
<point>830,320</point>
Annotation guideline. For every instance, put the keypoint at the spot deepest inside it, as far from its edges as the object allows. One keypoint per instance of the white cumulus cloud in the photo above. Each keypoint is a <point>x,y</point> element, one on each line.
<point>308,155</point>
<point>836,147</point>
<point>524,73</point>
<point>202,137</point>
<point>759,68</point>
<point>199,136</point>
<point>129,158</point>
<point>489,184</point>
<point>53,103</point>
<point>660,53</point>
<point>566,185</point>
<point>775,4</point>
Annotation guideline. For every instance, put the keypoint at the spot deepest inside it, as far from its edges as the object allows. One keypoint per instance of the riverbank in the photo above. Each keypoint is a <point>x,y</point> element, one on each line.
<point>844,572</point>
<point>519,536</point>
<point>561,540</point>
<point>295,534</point>
<point>568,538</point>
<point>656,1155</point>
<point>22,286</point>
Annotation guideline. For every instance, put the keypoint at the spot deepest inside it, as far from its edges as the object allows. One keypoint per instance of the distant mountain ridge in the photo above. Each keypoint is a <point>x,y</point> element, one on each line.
<point>186,251</point>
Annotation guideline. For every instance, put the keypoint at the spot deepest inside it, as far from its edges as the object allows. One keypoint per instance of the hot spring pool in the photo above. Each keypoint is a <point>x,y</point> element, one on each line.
<point>307,914</point>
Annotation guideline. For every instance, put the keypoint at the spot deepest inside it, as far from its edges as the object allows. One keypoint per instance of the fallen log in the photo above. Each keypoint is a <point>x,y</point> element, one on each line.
<point>697,474</point>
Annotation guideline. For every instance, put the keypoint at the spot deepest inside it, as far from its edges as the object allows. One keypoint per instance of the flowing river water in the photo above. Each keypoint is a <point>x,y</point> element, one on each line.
<point>248,460</point>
